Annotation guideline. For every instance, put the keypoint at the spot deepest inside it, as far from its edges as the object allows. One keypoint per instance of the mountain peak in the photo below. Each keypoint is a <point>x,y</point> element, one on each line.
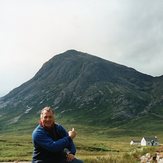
<point>84,89</point>
<point>72,53</point>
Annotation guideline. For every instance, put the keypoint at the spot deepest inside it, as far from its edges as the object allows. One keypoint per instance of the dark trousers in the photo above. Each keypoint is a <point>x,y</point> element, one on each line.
<point>63,161</point>
<point>75,161</point>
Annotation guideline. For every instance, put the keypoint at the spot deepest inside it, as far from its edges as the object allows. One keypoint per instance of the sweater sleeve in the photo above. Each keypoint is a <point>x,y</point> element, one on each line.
<point>41,138</point>
<point>63,133</point>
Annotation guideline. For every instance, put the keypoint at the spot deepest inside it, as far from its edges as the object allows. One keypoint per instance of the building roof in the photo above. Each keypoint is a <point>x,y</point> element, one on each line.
<point>135,141</point>
<point>151,138</point>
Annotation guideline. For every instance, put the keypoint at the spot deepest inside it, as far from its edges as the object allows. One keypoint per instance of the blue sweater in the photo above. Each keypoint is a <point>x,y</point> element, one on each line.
<point>49,148</point>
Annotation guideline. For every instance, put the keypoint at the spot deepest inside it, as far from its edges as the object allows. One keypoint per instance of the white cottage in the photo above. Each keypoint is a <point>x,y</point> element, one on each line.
<point>149,141</point>
<point>134,142</point>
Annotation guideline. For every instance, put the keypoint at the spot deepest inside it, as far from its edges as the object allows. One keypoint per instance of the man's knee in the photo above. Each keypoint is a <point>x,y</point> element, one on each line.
<point>77,161</point>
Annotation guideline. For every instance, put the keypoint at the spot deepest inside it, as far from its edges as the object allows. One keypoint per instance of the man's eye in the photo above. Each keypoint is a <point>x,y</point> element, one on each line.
<point>50,117</point>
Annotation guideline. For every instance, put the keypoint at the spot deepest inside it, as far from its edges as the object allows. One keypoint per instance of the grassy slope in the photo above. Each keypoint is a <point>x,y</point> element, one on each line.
<point>19,147</point>
<point>92,142</point>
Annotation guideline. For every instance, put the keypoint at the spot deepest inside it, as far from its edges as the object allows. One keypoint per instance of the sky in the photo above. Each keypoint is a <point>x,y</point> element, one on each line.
<point>128,32</point>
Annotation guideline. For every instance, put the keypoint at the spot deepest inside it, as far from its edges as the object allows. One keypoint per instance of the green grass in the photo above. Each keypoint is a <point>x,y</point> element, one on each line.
<point>15,147</point>
<point>94,144</point>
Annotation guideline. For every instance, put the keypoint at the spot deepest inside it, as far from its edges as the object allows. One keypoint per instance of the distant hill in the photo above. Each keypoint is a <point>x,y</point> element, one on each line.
<point>84,89</point>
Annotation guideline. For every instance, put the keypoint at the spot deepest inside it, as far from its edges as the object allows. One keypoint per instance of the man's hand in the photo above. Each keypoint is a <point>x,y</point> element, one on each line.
<point>70,157</point>
<point>72,133</point>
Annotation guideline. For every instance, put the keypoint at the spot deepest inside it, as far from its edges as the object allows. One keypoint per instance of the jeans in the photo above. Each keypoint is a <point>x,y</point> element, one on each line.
<point>75,161</point>
<point>63,161</point>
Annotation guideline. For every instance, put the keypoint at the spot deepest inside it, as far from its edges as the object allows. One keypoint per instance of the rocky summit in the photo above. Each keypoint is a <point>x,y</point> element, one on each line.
<point>85,89</point>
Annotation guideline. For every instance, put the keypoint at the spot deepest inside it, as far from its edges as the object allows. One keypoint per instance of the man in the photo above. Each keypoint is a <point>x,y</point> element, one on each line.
<point>52,144</point>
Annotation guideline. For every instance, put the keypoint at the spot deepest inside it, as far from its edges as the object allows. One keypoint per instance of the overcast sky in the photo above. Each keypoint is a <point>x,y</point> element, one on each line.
<point>127,32</point>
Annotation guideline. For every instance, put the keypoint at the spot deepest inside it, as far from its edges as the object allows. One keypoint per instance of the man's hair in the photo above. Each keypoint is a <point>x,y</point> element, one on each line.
<point>48,109</point>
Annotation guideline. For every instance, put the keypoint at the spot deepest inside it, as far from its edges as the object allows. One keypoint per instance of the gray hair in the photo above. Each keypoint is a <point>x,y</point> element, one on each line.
<point>48,109</point>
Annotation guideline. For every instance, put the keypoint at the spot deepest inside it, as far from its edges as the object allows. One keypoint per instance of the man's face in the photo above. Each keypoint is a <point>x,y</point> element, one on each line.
<point>47,118</point>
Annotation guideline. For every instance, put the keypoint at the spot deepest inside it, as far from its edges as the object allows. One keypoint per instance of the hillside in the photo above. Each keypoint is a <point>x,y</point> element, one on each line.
<point>84,89</point>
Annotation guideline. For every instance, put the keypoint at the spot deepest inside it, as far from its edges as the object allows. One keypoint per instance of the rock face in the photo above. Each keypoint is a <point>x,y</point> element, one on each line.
<point>85,89</point>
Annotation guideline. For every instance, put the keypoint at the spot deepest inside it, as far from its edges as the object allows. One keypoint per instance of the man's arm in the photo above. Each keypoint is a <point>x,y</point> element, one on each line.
<point>63,133</point>
<point>41,139</point>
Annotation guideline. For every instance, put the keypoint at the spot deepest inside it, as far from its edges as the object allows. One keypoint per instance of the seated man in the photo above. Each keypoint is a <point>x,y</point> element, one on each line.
<point>52,144</point>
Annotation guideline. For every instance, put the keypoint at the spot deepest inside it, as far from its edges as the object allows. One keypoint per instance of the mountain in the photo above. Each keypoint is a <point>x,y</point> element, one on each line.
<point>84,89</point>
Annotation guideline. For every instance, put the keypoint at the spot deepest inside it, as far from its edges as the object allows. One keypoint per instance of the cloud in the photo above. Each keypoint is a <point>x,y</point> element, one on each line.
<point>32,31</point>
